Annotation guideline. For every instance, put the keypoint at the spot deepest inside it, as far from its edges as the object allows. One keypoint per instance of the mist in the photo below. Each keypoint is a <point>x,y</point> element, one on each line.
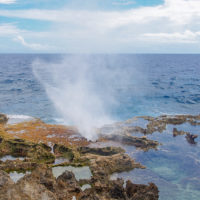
<point>84,89</point>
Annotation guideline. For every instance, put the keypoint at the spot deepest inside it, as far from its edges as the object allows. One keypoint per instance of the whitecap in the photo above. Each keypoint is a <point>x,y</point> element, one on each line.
<point>15,119</point>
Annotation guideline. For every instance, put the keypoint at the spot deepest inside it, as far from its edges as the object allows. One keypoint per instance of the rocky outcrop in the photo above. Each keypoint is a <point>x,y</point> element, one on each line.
<point>139,142</point>
<point>105,151</point>
<point>17,165</point>
<point>159,123</point>
<point>177,132</point>
<point>3,119</point>
<point>48,133</point>
<point>21,148</point>
<point>138,192</point>
<point>41,184</point>
<point>30,140</point>
<point>113,190</point>
<point>29,187</point>
<point>191,138</point>
<point>103,166</point>
<point>5,180</point>
<point>34,154</point>
<point>63,151</point>
<point>122,132</point>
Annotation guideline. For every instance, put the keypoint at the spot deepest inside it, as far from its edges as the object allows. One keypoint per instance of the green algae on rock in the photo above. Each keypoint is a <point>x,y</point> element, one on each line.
<point>21,148</point>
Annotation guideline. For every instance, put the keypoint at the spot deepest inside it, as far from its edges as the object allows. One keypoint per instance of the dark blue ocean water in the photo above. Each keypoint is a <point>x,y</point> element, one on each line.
<point>154,85</point>
<point>160,84</point>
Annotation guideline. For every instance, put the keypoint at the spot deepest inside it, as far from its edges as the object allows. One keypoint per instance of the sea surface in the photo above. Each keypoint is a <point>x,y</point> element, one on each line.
<point>159,84</point>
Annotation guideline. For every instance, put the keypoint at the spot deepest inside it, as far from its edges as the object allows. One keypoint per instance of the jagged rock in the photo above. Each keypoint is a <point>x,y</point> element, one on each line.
<point>142,192</point>
<point>39,153</point>
<point>138,142</point>
<point>158,124</point>
<point>26,191</point>
<point>176,132</point>
<point>106,151</point>
<point>68,180</point>
<point>88,195</point>
<point>1,139</point>
<point>116,190</point>
<point>41,184</point>
<point>17,165</point>
<point>30,187</point>
<point>5,180</point>
<point>63,151</point>
<point>113,190</point>
<point>3,119</point>
<point>102,166</point>
<point>109,190</point>
<point>191,138</point>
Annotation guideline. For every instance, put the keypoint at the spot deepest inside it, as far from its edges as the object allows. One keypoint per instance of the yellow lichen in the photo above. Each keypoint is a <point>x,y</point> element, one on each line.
<point>38,131</point>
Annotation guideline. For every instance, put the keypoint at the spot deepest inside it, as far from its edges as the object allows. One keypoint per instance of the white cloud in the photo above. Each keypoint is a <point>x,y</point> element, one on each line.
<point>7,1</point>
<point>9,29</point>
<point>177,11</point>
<point>176,21</point>
<point>185,37</point>
<point>33,46</point>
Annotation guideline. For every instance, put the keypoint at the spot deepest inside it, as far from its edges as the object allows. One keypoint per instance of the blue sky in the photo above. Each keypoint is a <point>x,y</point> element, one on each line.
<point>99,26</point>
<point>78,4</point>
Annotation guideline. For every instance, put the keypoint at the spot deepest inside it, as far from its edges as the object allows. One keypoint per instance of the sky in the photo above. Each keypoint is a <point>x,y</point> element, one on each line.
<point>100,26</point>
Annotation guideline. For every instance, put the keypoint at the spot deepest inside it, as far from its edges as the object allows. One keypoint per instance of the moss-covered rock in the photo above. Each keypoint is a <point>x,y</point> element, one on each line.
<point>63,151</point>
<point>20,148</point>
<point>106,151</point>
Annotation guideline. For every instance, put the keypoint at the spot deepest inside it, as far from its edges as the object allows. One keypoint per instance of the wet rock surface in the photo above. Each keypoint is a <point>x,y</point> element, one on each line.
<point>122,132</point>
<point>191,138</point>
<point>177,132</point>
<point>139,142</point>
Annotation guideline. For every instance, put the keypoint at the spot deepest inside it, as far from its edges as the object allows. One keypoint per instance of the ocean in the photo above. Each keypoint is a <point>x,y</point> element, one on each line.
<point>146,85</point>
<point>164,84</point>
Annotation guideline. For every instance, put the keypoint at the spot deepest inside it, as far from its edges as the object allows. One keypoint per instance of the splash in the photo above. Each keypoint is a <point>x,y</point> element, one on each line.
<point>83,89</point>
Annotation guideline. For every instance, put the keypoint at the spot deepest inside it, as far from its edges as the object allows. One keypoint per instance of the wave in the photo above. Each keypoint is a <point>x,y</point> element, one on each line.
<point>14,119</point>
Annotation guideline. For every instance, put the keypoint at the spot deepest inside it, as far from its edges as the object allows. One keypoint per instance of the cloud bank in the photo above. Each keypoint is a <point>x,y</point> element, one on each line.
<point>7,1</point>
<point>135,30</point>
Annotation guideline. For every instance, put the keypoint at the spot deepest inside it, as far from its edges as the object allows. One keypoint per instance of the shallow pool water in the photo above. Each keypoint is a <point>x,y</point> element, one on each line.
<point>15,176</point>
<point>9,157</point>
<point>85,186</point>
<point>79,172</point>
<point>174,167</point>
<point>60,160</point>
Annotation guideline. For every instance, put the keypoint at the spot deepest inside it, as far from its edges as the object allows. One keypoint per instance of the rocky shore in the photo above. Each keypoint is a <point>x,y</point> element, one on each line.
<point>39,151</point>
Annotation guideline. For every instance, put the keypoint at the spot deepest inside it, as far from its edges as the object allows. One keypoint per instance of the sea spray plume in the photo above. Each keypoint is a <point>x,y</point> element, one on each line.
<point>83,89</point>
